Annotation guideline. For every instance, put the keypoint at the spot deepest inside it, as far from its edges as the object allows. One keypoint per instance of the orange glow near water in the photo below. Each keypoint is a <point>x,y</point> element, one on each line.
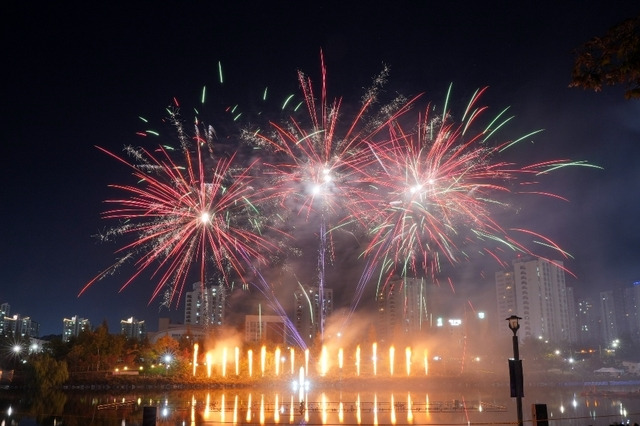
<point>329,362</point>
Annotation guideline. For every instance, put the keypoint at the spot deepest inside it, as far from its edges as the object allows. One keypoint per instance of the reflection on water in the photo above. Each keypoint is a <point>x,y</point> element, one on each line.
<point>566,407</point>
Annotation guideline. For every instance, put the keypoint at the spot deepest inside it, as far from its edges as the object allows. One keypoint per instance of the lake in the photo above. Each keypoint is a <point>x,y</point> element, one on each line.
<point>370,402</point>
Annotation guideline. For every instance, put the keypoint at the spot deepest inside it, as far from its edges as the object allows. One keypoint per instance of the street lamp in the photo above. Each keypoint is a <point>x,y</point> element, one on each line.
<point>515,368</point>
<point>167,360</point>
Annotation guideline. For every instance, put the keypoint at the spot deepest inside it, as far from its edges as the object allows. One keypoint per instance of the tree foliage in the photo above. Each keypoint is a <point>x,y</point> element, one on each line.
<point>611,59</point>
<point>95,350</point>
<point>46,372</point>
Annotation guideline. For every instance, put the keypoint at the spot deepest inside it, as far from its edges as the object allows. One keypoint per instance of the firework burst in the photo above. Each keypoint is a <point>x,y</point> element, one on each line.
<point>188,211</point>
<point>319,166</point>
<point>440,185</point>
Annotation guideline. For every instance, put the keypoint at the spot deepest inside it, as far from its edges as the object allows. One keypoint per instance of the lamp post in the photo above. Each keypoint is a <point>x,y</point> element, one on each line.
<point>515,368</point>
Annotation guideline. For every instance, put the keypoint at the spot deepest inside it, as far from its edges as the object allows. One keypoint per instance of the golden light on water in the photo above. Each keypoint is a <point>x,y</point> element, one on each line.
<point>326,408</point>
<point>222,409</point>
<point>207,404</point>
<point>427,405</point>
<point>248,417</point>
<point>375,409</point>
<point>393,410</point>
<point>323,408</point>
<point>291,408</point>
<point>262,409</point>
<point>235,410</point>
<point>193,409</point>
<point>306,411</point>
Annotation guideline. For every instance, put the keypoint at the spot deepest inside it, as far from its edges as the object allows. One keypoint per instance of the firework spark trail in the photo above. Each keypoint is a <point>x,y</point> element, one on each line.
<point>365,278</point>
<point>321,274</point>
<point>185,214</point>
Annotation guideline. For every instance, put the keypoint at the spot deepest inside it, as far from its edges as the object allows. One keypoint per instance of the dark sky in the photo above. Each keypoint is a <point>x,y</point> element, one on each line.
<point>79,75</point>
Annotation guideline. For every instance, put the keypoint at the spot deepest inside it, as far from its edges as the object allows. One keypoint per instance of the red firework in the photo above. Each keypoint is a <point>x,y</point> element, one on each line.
<point>441,185</point>
<point>185,215</point>
<point>322,165</point>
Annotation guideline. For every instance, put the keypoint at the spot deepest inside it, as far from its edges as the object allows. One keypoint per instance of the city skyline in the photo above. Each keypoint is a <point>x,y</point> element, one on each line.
<point>411,313</point>
<point>85,78</point>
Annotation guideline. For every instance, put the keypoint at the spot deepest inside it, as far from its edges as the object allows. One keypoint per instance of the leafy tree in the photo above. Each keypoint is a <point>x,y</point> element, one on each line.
<point>96,350</point>
<point>611,59</point>
<point>134,351</point>
<point>78,358</point>
<point>45,372</point>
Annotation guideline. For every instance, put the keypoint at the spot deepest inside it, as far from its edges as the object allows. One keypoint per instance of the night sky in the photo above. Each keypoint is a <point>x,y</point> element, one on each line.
<point>77,76</point>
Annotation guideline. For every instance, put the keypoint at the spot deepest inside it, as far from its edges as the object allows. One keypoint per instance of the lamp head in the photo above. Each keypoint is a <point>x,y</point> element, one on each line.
<point>514,325</point>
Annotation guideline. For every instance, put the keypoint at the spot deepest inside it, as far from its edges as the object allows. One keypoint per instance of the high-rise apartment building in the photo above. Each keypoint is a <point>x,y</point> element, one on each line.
<point>205,305</point>
<point>5,310</point>
<point>73,326</point>
<point>310,313</point>
<point>132,328</point>
<point>609,312</point>
<point>506,294</point>
<point>19,326</point>
<point>588,322</point>
<point>402,309</point>
<point>535,290</point>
